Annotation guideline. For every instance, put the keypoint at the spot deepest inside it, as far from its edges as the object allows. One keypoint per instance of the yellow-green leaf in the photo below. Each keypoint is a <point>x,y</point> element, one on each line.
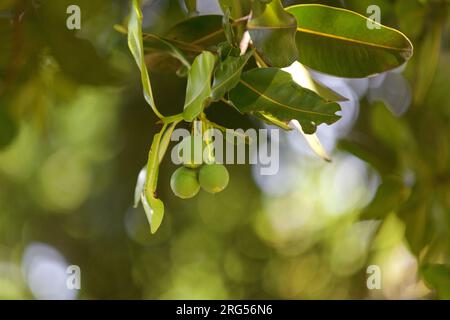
<point>339,42</point>
<point>274,92</point>
<point>154,207</point>
<point>198,88</point>
<point>272,30</point>
<point>137,49</point>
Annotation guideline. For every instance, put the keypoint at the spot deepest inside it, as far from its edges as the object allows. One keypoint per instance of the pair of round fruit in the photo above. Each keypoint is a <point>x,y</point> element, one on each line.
<point>187,180</point>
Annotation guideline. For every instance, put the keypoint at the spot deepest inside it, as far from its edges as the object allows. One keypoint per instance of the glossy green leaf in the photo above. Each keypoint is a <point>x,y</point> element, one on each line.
<point>154,207</point>
<point>273,30</point>
<point>270,119</point>
<point>274,92</point>
<point>228,74</point>
<point>338,42</point>
<point>137,49</point>
<point>303,77</point>
<point>325,92</point>
<point>198,89</point>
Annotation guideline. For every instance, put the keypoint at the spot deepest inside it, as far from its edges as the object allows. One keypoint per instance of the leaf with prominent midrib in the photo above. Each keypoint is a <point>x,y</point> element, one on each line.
<point>274,92</point>
<point>303,77</point>
<point>198,88</point>
<point>338,42</point>
<point>227,75</point>
<point>272,30</point>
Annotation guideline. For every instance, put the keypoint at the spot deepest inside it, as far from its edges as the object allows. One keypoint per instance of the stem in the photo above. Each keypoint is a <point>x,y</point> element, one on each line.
<point>152,164</point>
<point>247,139</point>
<point>170,119</point>
<point>243,19</point>
<point>228,103</point>
<point>120,28</point>
<point>259,61</point>
<point>206,125</point>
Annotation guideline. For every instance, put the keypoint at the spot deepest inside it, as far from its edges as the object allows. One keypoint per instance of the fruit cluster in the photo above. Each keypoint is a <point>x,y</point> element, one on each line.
<point>187,180</point>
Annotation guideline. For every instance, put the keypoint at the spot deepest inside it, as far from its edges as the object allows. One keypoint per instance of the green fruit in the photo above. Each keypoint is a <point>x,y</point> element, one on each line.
<point>213,178</point>
<point>184,183</point>
<point>191,151</point>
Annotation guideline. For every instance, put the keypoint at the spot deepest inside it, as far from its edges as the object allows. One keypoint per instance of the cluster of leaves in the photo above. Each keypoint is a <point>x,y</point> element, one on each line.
<point>237,58</point>
<point>41,64</point>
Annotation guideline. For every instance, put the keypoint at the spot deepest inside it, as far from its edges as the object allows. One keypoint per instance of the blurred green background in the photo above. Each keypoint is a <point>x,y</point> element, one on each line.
<point>75,131</point>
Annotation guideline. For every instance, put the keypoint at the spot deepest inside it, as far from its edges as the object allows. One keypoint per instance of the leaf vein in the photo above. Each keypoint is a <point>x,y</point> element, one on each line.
<point>381,46</point>
<point>284,105</point>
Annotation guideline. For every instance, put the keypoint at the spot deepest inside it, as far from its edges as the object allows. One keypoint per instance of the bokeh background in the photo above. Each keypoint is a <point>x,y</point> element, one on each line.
<point>75,131</point>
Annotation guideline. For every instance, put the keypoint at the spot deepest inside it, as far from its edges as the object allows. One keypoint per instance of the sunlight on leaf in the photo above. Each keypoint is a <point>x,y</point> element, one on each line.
<point>198,87</point>
<point>312,140</point>
<point>273,91</point>
<point>337,41</point>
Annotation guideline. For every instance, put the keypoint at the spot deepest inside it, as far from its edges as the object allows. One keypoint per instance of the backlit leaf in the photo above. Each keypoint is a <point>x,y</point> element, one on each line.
<point>338,42</point>
<point>272,30</point>
<point>273,91</point>
<point>198,89</point>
